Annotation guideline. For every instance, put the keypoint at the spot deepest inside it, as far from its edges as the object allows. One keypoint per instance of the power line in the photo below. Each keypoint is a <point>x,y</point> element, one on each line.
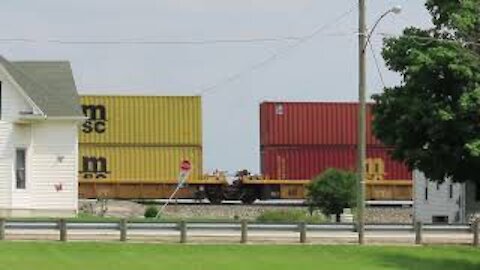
<point>276,55</point>
<point>377,64</point>
<point>164,42</point>
<point>430,39</point>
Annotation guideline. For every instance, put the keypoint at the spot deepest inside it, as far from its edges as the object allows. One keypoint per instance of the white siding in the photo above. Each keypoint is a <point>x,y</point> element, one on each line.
<point>51,160</point>
<point>12,103</point>
<point>6,165</point>
<point>438,202</point>
<point>53,164</point>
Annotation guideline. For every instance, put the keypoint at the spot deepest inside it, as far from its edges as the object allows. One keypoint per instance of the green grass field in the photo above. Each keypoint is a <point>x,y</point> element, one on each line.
<point>116,256</point>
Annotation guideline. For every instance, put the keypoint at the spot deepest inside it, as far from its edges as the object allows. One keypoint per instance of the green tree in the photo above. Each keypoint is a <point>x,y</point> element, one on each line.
<point>333,191</point>
<point>432,119</point>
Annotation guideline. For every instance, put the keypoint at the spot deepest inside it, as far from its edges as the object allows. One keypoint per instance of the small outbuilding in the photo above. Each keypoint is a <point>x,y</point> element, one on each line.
<point>39,117</point>
<point>438,202</point>
<point>445,203</point>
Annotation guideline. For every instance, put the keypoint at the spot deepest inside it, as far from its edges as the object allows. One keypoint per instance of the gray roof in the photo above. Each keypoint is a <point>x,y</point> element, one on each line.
<point>49,84</point>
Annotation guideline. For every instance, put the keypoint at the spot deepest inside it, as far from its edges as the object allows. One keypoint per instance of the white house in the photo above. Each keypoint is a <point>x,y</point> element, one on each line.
<point>438,202</point>
<point>447,202</point>
<point>39,116</point>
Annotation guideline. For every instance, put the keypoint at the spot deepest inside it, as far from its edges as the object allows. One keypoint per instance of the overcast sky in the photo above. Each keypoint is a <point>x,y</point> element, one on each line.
<point>322,67</point>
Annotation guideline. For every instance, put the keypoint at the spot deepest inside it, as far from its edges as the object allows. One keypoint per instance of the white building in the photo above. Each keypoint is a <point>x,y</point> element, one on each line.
<point>39,115</point>
<point>438,203</point>
<point>447,202</point>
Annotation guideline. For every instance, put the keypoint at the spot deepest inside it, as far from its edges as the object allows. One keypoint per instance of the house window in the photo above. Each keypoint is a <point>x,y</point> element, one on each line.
<point>440,219</point>
<point>20,168</point>
<point>450,191</point>
<point>426,193</point>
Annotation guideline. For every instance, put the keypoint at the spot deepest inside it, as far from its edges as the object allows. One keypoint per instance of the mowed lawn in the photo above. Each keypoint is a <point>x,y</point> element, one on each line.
<point>116,256</point>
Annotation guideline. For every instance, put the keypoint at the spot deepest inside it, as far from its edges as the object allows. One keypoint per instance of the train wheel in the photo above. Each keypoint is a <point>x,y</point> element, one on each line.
<point>215,199</point>
<point>248,199</point>
<point>214,195</point>
<point>248,196</point>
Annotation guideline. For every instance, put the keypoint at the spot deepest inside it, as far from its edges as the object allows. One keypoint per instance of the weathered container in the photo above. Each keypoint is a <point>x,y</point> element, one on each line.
<point>97,190</point>
<point>131,164</point>
<point>142,120</point>
<point>312,123</point>
<point>389,190</point>
<point>305,162</point>
<point>374,191</point>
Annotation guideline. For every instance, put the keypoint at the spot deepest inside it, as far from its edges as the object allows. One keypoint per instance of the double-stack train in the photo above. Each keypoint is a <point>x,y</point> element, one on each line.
<point>131,147</point>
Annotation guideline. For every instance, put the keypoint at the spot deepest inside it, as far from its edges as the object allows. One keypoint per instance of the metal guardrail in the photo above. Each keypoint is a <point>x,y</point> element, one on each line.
<point>123,226</point>
<point>53,225</point>
<point>447,228</point>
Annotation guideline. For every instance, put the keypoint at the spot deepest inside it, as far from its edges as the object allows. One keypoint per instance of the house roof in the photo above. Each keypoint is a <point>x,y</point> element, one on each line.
<point>49,85</point>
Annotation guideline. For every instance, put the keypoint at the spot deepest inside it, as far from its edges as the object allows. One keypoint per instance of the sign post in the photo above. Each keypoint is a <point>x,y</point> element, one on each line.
<point>185,168</point>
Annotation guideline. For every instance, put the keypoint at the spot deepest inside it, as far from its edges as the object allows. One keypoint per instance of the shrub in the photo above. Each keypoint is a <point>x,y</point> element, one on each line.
<point>333,191</point>
<point>289,216</point>
<point>151,212</point>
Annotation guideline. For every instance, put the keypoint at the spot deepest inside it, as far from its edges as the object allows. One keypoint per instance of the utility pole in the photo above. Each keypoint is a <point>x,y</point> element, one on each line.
<point>361,148</point>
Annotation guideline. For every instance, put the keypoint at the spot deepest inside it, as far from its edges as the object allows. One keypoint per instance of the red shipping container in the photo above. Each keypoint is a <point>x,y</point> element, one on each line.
<point>305,162</point>
<point>312,123</point>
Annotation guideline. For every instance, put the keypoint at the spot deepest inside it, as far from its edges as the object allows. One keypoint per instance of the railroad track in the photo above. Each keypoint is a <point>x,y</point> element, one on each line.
<point>269,203</point>
<point>277,203</point>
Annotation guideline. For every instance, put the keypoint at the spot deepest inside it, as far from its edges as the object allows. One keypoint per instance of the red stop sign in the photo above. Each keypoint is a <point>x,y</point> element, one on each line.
<point>185,166</point>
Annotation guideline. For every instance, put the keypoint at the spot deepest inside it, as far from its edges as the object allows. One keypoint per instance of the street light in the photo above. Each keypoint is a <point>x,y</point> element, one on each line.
<point>364,39</point>
<point>395,10</point>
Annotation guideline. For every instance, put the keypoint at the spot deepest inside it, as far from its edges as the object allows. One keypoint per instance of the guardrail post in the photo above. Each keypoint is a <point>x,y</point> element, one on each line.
<point>418,233</point>
<point>476,228</point>
<point>303,232</point>
<point>182,225</point>
<point>2,229</point>
<point>355,226</point>
<point>244,229</point>
<point>62,226</point>
<point>123,230</point>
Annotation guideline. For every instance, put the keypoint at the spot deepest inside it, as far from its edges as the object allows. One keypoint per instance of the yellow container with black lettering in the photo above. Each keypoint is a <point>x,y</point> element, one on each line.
<point>142,120</point>
<point>132,164</point>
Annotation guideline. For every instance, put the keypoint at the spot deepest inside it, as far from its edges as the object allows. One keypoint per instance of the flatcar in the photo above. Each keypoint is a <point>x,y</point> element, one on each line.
<point>130,147</point>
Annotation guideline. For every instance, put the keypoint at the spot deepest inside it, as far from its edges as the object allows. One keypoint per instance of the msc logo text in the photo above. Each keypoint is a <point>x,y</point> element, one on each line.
<point>94,167</point>
<point>97,118</point>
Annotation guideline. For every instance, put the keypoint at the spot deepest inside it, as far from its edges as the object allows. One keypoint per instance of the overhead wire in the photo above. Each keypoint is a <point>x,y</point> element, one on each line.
<point>377,64</point>
<point>278,54</point>
<point>136,41</point>
<point>216,41</point>
<point>430,39</point>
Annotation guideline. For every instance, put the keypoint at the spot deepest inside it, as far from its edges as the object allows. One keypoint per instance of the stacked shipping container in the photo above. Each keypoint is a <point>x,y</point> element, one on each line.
<point>301,140</point>
<point>142,120</point>
<point>138,140</point>
<point>297,124</point>
<point>304,162</point>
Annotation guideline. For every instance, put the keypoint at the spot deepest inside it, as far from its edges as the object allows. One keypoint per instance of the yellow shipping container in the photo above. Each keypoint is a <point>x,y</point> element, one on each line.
<point>131,164</point>
<point>149,120</point>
